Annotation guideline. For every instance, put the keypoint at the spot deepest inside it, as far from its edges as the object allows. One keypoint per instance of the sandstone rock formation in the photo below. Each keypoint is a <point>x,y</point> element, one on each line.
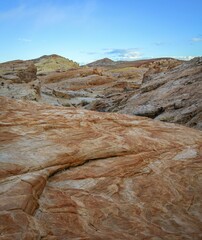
<point>18,71</point>
<point>103,87</point>
<point>74,174</point>
<point>30,91</point>
<point>106,86</point>
<point>83,86</point>
<point>165,89</point>
<point>18,79</point>
<point>156,67</point>
<point>172,96</point>
<point>15,74</point>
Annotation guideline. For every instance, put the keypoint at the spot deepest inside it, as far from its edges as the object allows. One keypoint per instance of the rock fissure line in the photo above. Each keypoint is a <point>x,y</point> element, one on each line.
<point>84,163</point>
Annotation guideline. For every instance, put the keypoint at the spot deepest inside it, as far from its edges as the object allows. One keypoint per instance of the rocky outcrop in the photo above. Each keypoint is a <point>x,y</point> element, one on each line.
<point>159,66</point>
<point>172,96</point>
<point>18,71</point>
<point>27,91</point>
<point>18,80</point>
<point>75,174</point>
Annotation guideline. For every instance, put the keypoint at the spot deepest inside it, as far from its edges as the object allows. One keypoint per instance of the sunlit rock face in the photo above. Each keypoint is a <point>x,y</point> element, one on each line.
<point>75,174</point>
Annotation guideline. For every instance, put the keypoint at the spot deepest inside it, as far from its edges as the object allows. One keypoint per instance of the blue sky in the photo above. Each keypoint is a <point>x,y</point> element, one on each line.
<point>86,30</point>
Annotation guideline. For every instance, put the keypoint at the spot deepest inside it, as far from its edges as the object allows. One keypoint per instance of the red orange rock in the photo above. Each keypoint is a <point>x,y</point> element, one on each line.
<point>76,174</point>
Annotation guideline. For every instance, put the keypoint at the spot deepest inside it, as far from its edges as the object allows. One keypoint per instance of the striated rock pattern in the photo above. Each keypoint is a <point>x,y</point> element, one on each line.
<point>172,96</point>
<point>85,86</point>
<point>105,85</point>
<point>75,174</point>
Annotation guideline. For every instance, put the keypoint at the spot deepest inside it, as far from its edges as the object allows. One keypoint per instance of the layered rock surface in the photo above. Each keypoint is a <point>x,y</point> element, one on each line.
<point>75,174</point>
<point>104,85</point>
<point>172,96</point>
<point>165,89</point>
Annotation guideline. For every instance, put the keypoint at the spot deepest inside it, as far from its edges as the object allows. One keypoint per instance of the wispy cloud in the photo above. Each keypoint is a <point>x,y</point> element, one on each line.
<point>185,58</point>
<point>158,44</point>
<point>89,53</point>
<point>124,54</point>
<point>197,39</point>
<point>24,40</point>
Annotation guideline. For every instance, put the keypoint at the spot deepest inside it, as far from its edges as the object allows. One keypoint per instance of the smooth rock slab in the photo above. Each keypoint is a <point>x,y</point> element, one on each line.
<point>77,174</point>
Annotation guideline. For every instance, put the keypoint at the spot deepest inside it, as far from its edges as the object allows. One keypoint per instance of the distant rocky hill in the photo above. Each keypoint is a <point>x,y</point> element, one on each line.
<point>42,65</point>
<point>51,63</point>
<point>106,62</point>
<point>102,62</point>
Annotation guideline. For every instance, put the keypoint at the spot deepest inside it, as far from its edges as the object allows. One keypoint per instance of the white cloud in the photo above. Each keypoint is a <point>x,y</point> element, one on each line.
<point>185,58</point>
<point>24,40</point>
<point>159,43</point>
<point>197,39</point>
<point>124,54</point>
